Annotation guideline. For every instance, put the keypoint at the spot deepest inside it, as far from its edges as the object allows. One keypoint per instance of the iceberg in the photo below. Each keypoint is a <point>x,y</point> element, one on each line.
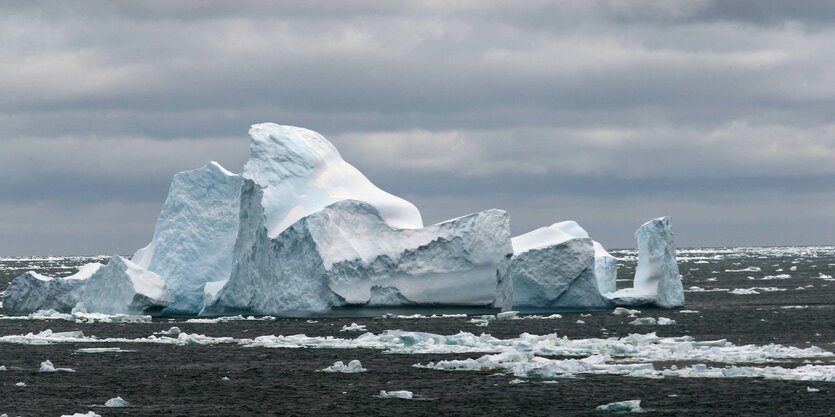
<point>329,259</point>
<point>122,287</point>
<point>657,280</point>
<point>557,267</point>
<point>32,292</point>
<point>301,231</point>
<point>195,235</point>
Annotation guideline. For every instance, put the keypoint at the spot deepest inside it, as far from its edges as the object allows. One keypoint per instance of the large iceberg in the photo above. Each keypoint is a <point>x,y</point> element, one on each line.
<point>555,267</point>
<point>302,232</point>
<point>657,279</point>
<point>195,235</point>
<point>348,255</point>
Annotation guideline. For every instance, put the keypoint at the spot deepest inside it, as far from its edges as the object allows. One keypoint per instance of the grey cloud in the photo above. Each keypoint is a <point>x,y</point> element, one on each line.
<point>608,112</point>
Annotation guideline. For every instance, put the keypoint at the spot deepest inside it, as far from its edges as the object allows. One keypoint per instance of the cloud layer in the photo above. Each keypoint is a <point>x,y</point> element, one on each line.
<point>606,112</point>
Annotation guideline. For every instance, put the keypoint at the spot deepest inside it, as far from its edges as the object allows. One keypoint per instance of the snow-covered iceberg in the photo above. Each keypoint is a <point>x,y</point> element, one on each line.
<point>32,292</point>
<point>348,255</point>
<point>555,267</point>
<point>657,279</point>
<point>195,235</point>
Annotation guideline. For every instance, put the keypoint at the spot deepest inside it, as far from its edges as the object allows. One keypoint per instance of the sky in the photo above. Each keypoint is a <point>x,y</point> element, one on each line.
<point>718,113</point>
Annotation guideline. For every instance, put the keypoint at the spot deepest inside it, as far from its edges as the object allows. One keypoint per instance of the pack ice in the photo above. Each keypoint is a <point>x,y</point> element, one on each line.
<point>301,231</point>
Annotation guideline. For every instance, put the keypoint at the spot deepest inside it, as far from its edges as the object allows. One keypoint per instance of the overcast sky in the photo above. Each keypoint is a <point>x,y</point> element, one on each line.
<point>719,113</point>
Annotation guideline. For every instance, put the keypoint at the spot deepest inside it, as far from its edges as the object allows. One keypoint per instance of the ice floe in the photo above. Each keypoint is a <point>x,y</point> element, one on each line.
<point>631,406</point>
<point>116,402</point>
<point>353,367</point>
<point>47,366</point>
<point>403,395</point>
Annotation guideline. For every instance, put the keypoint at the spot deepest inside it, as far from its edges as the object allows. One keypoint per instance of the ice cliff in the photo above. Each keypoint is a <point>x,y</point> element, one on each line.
<point>195,235</point>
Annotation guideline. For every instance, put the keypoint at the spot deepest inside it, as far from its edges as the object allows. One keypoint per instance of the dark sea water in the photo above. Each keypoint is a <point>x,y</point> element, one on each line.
<point>187,380</point>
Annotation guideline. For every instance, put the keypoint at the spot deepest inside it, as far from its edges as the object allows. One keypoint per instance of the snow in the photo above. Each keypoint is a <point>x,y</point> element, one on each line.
<point>403,395</point>
<point>353,367</point>
<point>631,406</point>
<point>194,235</point>
<point>302,173</point>
<point>116,402</point>
<point>122,287</point>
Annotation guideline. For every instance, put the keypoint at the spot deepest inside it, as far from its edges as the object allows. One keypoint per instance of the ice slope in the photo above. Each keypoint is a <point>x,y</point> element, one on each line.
<point>302,173</point>
<point>347,254</point>
<point>122,287</point>
<point>195,235</point>
<point>32,292</point>
<point>657,278</point>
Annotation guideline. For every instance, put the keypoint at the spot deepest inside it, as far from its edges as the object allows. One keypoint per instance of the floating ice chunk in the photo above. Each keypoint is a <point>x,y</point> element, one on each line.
<point>620,311</point>
<point>688,312</point>
<point>103,350</point>
<point>87,414</point>
<point>353,367</point>
<point>631,406</point>
<point>773,277</point>
<point>116,402</point>
<point>173,331</point>
<point>810,389</point>
<point>507,315</point>
<point>404,395</point>
<point>517,381</point>
<point>227,319</point>
<point>47,366</point>
<point>353,327</point>
<point>20,384</point>
<point>651,321</point>
<point>748,269</point>
<point>194,236</point>
<point>2,368</point>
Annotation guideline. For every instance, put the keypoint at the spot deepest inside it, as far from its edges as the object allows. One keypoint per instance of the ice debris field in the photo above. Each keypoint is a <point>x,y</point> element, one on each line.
<point>301,232</point>
<point>783,337</point>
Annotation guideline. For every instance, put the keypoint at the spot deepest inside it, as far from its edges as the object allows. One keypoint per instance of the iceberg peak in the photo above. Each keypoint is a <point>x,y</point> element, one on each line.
<point>302,173</point>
